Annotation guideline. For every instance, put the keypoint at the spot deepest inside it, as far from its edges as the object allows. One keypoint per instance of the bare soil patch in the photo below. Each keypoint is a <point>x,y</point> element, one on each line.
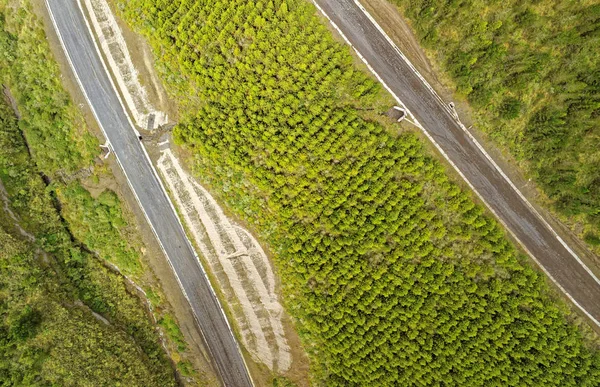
<point>299,370</point>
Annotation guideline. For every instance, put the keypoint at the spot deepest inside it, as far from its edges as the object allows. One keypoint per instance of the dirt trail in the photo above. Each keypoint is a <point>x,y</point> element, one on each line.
<point>238,262</point>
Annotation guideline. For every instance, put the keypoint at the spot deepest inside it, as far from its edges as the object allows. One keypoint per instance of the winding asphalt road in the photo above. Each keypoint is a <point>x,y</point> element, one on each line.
<point>555,258</point>
<point>98,89</point>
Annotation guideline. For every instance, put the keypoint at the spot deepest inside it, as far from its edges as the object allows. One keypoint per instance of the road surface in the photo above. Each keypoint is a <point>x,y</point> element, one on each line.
<point>554,257</point>
<point>94,80</point>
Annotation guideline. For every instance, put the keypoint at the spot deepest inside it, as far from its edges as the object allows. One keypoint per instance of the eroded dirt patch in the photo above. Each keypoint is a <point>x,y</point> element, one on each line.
<point>239,264</point>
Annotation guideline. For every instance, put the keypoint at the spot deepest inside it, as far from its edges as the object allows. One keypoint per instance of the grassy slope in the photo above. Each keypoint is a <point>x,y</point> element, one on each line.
<point>42,284</point>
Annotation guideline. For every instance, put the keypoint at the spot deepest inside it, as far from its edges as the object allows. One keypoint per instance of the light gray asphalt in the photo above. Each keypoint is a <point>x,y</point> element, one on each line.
<point>87,65</point>
<point>462,151</point>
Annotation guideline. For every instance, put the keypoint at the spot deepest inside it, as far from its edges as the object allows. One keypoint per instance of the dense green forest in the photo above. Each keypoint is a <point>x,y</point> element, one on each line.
<point>394,275</point>
<point>51,284</point>
<point>531,71</point>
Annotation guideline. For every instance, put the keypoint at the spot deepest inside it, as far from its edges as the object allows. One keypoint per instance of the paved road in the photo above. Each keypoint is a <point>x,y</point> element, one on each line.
<point>95,83</point>
<point>563,267</point>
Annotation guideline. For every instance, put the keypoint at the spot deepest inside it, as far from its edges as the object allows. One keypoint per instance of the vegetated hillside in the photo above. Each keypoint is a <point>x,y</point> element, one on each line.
<point>45,337</point>
<point>48,334</point>
<point>56,136</point>
<point>394,275</point>
<point>50,284</point>
<point>531,70</point>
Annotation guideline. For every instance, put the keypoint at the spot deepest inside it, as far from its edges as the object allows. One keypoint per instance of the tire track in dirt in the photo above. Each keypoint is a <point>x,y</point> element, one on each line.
<point>238,262</point>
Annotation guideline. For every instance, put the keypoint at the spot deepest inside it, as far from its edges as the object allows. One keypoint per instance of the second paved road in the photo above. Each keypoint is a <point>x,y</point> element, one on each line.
<point>96,85</point>
<point>564,268</point>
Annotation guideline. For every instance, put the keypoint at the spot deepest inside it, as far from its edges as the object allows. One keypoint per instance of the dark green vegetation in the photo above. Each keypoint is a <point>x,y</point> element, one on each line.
<point>531,70</point>
<point>47,288</point>
<point>49,281</point>
<point>394,275</point>
<point>98,224</point>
